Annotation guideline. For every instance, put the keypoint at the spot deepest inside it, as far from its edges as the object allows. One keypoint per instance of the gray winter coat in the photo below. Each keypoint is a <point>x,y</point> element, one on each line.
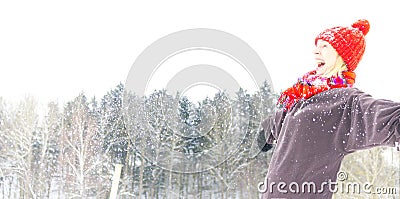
<point>315,134</point>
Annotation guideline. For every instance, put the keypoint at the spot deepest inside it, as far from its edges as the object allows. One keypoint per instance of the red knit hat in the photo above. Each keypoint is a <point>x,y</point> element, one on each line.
<point>349,42</point>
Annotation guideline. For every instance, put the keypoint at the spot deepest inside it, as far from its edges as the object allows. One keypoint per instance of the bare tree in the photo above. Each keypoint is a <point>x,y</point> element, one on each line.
<point>19,129</point>
<point>81,148</point>
<point>378,166</point>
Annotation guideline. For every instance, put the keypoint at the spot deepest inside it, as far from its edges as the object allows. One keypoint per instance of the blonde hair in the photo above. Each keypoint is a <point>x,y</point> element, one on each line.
<point>337,68</point>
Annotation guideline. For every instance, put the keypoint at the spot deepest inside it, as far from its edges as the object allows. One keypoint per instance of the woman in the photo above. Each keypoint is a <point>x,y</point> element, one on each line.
<point>323,118</point>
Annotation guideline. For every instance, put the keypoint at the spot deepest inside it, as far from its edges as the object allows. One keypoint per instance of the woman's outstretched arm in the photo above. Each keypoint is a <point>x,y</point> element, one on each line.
<point>373,122</point>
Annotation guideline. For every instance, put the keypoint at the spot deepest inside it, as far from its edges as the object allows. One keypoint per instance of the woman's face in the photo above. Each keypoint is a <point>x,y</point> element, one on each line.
<point>325,56</point>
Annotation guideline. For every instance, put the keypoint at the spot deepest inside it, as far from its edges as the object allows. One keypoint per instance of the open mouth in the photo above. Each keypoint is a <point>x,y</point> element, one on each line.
<point>321,64</point>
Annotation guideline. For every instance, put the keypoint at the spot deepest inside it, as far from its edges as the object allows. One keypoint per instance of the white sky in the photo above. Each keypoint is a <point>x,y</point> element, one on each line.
<point>54,50</point>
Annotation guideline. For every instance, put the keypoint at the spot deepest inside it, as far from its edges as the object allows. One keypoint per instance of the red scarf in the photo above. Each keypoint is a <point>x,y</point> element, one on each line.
<point>311,84</point>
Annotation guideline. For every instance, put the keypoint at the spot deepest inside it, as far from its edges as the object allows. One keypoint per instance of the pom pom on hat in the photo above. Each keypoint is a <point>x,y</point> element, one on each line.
<point>362,25</point>
<point>349,42</point>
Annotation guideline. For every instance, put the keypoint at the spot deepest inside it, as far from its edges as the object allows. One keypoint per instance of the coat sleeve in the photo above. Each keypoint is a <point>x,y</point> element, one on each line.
<point>272,126</point>
<point>373,122</point>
